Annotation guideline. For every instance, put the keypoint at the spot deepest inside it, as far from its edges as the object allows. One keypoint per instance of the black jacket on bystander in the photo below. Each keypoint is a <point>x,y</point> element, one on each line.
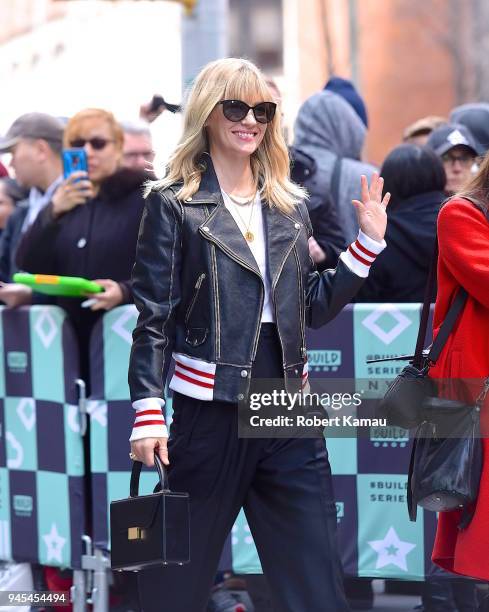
<point>401,270</point>
<point>93,240</point>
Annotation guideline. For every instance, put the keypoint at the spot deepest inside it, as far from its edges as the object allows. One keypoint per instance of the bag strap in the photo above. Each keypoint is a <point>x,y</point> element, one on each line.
<point>447,325</point>
<point>136,471</point>
<point>411,503</point>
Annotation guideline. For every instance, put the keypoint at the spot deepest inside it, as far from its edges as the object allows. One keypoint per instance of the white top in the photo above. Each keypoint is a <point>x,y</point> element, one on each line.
<point>257,246</point>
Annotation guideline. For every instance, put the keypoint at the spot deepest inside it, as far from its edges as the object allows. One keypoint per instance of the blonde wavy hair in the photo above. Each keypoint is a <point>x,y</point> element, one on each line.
<point>237,79</point>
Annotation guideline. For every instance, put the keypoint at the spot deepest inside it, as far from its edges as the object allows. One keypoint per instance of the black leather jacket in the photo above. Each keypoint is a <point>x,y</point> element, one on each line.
<point>200,294</point>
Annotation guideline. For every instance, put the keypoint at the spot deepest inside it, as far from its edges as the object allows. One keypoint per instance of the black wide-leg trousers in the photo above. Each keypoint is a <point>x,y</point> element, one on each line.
<point>285,489</point>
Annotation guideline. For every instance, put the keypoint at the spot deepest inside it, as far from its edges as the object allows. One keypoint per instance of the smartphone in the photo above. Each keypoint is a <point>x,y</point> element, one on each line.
<point>73,161</point>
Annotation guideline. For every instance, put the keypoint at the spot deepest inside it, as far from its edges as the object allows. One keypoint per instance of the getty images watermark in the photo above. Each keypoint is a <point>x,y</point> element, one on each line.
<point>340,407</point>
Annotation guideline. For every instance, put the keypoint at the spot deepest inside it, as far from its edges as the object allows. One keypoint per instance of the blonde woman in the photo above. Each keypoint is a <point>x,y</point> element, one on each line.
<point>223,284</point>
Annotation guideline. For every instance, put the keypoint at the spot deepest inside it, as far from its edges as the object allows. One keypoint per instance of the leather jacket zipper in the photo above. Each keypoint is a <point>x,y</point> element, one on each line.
<point>198,284</point>
<point>301,305</point>
<point>258,327</point>
<point>216,302</point>
<point>279,272</point>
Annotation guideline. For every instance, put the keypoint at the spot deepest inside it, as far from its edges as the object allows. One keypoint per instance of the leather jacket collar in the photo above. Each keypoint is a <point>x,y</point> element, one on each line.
<point>281,230</point>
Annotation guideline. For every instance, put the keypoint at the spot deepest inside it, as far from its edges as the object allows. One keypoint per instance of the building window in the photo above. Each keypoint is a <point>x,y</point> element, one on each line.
<point>256,32</point>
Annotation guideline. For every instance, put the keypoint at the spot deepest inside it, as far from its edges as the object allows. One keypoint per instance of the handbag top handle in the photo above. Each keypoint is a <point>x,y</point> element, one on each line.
<point>448,323</point>
<point>136,471</point>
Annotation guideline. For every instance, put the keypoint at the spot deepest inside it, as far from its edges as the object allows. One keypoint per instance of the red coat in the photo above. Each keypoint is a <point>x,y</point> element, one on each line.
<point>463,237</point>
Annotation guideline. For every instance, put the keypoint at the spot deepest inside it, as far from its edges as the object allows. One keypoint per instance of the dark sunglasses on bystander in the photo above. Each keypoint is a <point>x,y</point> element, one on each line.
<point>96,143</point>
<point>236,110</point>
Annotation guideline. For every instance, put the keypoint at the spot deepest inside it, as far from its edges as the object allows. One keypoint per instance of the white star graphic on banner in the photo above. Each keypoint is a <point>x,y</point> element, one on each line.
<point>391,550</point>
<point>55,544</point>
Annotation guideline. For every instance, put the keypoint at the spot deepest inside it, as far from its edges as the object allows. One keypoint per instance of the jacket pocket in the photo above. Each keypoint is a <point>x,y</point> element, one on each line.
<point>195,336</point>
<point>193,301</point>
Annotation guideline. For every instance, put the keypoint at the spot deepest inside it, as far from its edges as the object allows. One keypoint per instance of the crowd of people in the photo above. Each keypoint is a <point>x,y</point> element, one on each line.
<point>86,224</point>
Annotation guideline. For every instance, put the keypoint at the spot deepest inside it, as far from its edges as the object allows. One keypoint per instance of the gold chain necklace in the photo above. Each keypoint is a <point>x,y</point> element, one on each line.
<point>248,234</point>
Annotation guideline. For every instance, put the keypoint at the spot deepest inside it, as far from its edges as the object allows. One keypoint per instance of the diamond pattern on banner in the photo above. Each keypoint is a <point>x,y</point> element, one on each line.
<point>389,333</point>
<point>98,411</point>
<point>42,511</point>
<point>117,339</point>
<point>129,315</point>
<point>27,412</point>
<point>381,331</point>
<point>46,349</point>
<point>46,326</point>
<point>20,433</point>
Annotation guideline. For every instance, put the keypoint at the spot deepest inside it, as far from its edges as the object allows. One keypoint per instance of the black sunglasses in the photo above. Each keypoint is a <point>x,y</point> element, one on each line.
<point>236,110</point>
<point>96,143</point>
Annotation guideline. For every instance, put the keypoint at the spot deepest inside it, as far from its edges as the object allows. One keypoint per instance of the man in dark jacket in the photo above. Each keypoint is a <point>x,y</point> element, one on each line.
<point>34,140</point>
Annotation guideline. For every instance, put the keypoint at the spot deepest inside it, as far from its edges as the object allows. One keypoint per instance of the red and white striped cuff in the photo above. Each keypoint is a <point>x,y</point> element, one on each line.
<point>149,421</point>
<point>361,254</point>
<point>193,377</point>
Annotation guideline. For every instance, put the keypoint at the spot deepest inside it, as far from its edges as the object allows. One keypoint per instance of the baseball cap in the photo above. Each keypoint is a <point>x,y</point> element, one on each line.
<point>475,117</point>
<point>32,125</point>
<point>451,135</point>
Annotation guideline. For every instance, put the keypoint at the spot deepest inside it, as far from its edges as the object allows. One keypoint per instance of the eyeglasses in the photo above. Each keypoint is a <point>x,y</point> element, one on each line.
<point>96,143</point>
<point>465,159</point>
<point>236,110</point>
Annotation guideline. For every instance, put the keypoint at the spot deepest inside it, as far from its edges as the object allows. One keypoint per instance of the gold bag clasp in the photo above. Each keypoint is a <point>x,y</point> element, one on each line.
<point>136,533</point>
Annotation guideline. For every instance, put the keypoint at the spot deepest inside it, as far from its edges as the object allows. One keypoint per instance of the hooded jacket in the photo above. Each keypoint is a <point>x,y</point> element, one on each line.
<point>328,129</point>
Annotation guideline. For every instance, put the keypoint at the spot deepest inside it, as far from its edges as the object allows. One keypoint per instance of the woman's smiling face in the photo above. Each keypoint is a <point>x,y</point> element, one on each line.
<point>235,138</point>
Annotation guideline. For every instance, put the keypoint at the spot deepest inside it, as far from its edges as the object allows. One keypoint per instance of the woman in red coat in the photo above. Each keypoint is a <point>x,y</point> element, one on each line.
<point>463,238</point>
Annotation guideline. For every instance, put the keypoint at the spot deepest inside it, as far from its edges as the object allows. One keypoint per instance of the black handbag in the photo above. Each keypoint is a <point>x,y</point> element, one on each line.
<point>446,458</point>
<point>149,530</point>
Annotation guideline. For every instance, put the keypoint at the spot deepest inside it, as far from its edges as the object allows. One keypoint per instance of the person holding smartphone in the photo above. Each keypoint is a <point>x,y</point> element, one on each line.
<point>223,283</point>
<point>89,228</point>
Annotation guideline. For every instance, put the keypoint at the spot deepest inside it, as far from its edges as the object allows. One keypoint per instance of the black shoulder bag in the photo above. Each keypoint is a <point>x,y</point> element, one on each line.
<point>446,457</point>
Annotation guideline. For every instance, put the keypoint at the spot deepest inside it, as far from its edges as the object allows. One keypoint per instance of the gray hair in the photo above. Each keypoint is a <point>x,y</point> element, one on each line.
<point>136,127</point>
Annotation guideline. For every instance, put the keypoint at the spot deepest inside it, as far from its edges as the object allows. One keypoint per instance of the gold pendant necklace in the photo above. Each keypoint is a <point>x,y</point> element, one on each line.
<point>248,234</point>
